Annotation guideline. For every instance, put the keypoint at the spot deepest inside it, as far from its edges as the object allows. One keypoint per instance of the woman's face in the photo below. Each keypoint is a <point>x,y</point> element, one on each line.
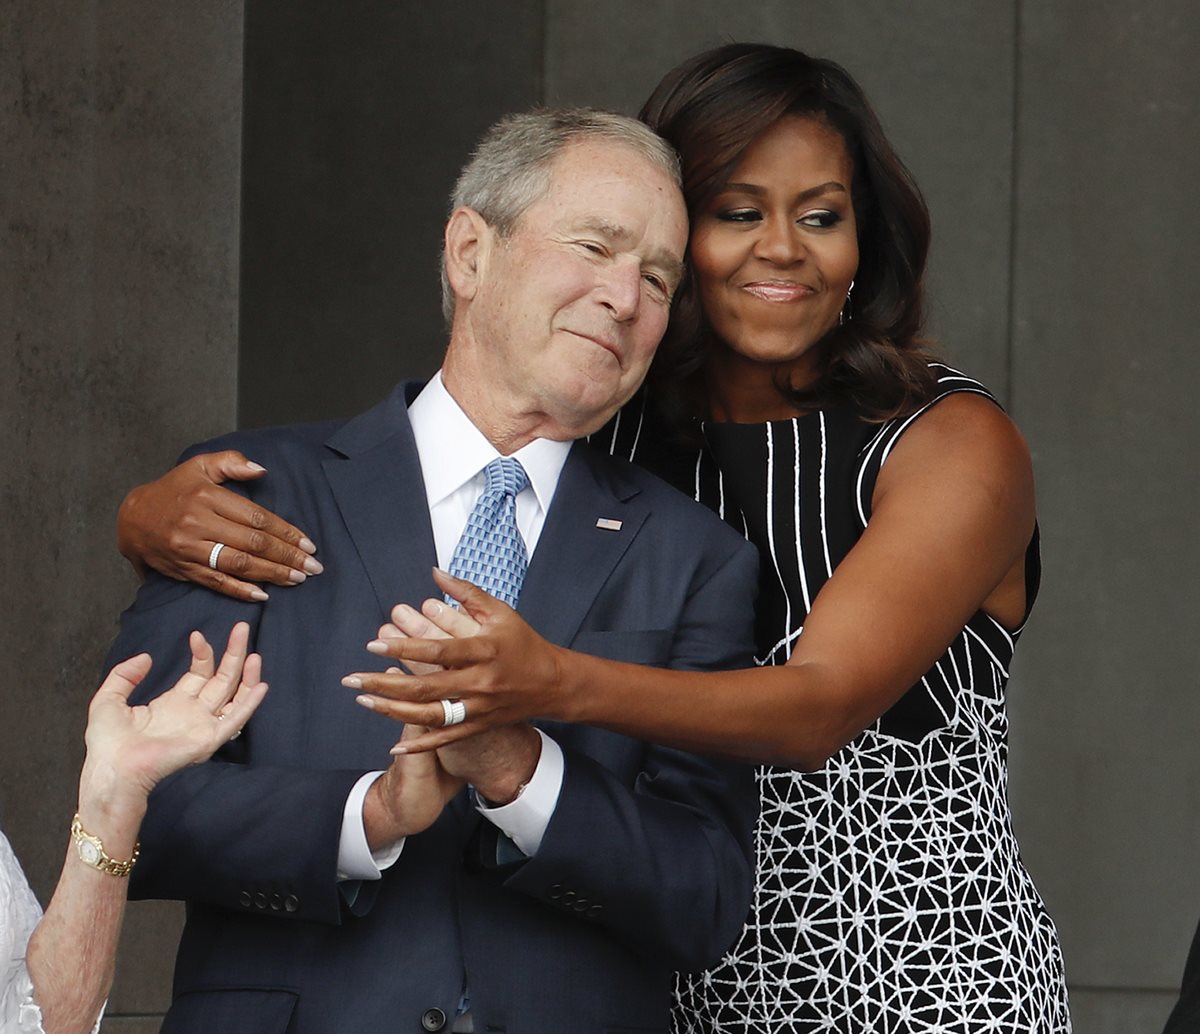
<point>776,250</point>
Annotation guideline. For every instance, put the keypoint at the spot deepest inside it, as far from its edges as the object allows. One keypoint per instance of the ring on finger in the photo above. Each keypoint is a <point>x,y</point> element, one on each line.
<point>454,712</point>
<point>214,553</point>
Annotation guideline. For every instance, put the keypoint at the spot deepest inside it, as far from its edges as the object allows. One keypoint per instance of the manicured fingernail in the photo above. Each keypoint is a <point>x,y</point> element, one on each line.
<point>377,646</point>
<point>259,595</point>
<point>313,566</point>
<point>296,577</point>
<point>307,545</point>
<point>352,682</point>
<point>398,750</point>
<point>256,467</point>
<point>366,701</point>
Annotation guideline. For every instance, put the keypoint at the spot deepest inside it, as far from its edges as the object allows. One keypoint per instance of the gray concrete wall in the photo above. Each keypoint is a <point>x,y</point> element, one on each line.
<point>120,135</point>
<point>1058,147</point>
<point>355,130</point>
<point>1106,774</point>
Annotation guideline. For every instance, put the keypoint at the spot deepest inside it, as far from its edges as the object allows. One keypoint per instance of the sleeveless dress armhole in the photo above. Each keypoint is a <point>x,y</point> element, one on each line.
<point>875,455</point>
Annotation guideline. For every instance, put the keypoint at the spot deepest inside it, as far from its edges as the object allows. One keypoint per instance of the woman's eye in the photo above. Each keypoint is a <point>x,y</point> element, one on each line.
<point>739,215</point>
<point>824,219</point>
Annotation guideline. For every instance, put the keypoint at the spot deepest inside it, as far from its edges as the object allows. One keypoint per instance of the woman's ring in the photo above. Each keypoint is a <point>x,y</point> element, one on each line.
<point>454,712</point>
<point>216,552</point>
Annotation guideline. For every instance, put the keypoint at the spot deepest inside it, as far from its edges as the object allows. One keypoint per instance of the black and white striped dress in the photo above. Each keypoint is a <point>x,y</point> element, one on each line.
<point>891,896</point>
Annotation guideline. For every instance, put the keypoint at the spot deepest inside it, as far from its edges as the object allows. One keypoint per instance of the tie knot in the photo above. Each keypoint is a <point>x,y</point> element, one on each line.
<point>505,475</point>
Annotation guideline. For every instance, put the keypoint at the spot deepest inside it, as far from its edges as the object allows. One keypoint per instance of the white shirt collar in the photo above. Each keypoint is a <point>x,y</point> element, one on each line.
<point>453,450</point>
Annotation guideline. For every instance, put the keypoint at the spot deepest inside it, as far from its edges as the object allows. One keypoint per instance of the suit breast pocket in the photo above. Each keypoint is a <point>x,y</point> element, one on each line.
<point>230,1009</point>
<point>644,646</point>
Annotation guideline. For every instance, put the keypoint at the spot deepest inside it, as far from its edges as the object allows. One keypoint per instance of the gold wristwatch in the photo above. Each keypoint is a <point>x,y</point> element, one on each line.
<point>91,851</point>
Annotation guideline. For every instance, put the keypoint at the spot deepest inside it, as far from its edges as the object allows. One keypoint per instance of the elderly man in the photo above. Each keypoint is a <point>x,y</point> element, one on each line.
<point>527,879</point>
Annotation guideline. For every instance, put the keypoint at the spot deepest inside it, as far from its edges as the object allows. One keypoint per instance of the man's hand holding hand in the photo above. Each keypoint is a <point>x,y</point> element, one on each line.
<point>408,797</point>
<point>498,763</point>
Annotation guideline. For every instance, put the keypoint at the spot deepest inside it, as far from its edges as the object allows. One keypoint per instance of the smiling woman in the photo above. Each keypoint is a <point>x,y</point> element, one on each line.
<point>892,503</point>
<point>774,255</point>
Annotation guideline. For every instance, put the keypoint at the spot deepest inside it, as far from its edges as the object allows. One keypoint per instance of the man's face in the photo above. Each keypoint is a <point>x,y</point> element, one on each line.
<point>571,305</point>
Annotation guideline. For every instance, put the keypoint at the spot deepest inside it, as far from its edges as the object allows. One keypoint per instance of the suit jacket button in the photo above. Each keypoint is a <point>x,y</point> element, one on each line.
<point>433,1019</point>
<point>580,905</point>
<point>291,903</point>
<point>276,902</point>
<point>555,891</point>
<point>594,911</point>
<point>244,899</point>
<point>260,900</point>
<point>567,898</point>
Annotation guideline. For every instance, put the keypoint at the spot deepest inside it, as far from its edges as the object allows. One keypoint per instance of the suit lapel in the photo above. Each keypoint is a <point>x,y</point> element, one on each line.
<point>574,557</point>
<point>375,477</point>
<point>376,480</point>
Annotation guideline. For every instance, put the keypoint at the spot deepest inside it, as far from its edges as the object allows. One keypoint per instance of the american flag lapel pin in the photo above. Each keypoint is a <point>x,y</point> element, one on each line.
<point>608,524</point>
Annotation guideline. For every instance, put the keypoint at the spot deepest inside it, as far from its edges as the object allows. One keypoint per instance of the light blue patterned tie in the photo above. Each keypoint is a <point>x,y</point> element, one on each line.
<point>491,552</point>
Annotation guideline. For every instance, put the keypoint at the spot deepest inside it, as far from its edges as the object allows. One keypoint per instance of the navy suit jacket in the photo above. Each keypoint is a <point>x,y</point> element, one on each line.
<point>646,865</point>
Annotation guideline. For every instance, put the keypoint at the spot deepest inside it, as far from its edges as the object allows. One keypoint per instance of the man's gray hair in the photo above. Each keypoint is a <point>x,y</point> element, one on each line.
<point>510,169</point>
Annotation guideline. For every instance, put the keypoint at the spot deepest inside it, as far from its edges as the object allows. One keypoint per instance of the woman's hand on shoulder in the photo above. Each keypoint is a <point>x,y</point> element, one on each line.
<point>131,748</point>
<point>174,524</point>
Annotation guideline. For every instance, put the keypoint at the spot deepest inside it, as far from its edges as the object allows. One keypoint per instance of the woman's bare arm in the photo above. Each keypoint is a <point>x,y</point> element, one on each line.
<point>71,952</point>
<point>953,513</point>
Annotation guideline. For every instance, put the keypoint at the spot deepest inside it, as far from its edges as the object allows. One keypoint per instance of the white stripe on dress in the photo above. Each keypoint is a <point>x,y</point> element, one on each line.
<point>821,490</point>
<point>796,486</point>
<point>787,620</point>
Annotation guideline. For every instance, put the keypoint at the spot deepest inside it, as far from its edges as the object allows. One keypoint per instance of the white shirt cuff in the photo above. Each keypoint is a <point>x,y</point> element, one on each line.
<point>524,820</point>
<point>356,860</point>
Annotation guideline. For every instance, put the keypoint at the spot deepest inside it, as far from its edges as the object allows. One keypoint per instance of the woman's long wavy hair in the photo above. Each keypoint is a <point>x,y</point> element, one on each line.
<point>711,108</point>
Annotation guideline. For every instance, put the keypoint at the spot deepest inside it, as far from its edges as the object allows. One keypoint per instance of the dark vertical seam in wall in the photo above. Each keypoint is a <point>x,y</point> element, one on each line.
<point>544,31</point>
<point>239,406</point>
<point>1013,200</point>
<point>91,148</point>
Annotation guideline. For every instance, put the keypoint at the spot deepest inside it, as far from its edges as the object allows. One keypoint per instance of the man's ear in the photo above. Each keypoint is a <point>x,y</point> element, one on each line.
<point>468,243</point>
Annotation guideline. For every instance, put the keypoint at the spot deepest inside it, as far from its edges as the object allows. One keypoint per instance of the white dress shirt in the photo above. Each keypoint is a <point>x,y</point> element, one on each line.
<point>453,453</point>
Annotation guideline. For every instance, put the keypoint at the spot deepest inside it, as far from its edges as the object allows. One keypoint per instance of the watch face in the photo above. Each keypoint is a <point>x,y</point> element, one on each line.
<point>89,852</point>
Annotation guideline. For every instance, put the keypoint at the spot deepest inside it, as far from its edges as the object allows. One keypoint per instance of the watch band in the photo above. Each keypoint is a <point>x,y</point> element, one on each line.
<point>91,851</point>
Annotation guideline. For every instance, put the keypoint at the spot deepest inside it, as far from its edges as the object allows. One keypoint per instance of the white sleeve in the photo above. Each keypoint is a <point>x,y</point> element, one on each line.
<point>524,820</point>
<point>19,914</point>
<point>356,860</point>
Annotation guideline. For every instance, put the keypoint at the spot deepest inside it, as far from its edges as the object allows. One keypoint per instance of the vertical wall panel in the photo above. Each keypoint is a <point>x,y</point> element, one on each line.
<point>119,148</point>
<point>1096,1011</point>
<point>357,121</point>
<point>1106,372</point>
<point>940,75</point>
